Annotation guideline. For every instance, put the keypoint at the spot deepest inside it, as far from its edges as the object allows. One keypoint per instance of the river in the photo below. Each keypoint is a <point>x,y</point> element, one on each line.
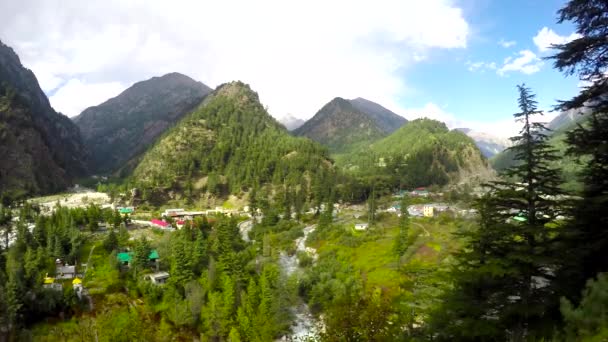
<point>305,324</point>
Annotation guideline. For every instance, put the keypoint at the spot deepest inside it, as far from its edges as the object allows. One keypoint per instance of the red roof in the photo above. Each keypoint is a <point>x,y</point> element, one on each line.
<point>159,223</point>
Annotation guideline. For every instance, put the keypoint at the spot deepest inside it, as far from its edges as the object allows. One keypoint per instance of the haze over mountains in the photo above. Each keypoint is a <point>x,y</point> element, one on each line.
<point>42,150</point>
<point>124,126</point>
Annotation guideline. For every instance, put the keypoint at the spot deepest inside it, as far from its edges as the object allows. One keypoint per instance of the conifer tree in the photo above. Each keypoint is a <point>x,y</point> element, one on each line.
<point>401,241</point>
<point>586,239</point>
<point>503,277</point>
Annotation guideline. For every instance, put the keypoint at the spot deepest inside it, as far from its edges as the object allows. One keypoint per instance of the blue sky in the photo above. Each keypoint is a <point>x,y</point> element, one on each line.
<point>434,58</point>
<point>483,94</point>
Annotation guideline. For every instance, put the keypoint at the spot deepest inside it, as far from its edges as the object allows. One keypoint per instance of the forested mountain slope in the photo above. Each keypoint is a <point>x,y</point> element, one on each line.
<point>423,152</point>
<point>343,124</point>
<point>227,145</point>
<point>41,150</point>
<point>126,125</point>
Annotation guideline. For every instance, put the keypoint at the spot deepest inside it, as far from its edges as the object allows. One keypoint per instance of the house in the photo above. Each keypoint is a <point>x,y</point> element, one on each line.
<point>65,272</point>
<point>157,278</point>
<point>420,192</point>
<point>415,210</point>
<point>125,258</point>
<point>77,286</point>
<point>173,212</point>
<point>180,223</point>
<point>126,210</point>
<point>394,209</point>
<point>361,226</point>
<point>49,283</point>
<point>160,224</point>
<point>429,211</point>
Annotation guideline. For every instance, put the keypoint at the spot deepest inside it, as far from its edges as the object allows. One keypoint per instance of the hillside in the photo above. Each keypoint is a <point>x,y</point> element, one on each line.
<point>41,150</point>
<point>124,126</point>
<point>228,144</point>
<point>342,125</point>
<point>421,153</point>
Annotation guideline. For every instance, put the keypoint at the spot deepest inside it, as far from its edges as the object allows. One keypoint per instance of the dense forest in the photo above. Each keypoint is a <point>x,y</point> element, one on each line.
<point>228,145</point>
<point>423,152</point>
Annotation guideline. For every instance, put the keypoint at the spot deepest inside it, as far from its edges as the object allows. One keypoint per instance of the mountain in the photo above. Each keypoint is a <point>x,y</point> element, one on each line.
<point>123,127</point>
<point>567,118</point>
<point>225,146</point>
<point>291,122</point>
<point>41,150</point>
<point>386,120</point>
<point>488,144</point>
<point>421,153</point>
<point>341,124</point>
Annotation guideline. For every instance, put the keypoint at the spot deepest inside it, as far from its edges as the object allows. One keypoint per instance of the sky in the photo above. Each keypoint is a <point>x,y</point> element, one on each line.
<point>456,61</point>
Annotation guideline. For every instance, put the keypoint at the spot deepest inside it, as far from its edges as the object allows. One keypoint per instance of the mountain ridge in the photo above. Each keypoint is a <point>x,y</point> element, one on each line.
<point>228,145</point>
<point>42,149</point>
<point>343,124</point>
<point>121,128</point>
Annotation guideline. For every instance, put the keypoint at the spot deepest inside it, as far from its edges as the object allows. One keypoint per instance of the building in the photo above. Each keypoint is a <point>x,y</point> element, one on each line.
<point>361,226</point>
<point>429,211</point>
<point>77,286</point>
<point>157,278</point>
<point>415,210</point>
<point>126,210</point>
<point>160,224</point>
<point>125,258</point>
<point>394,209</point>
<point>65,272</point>
<point>173,212</point>
<point>49,283</point>
<point>420,192</point>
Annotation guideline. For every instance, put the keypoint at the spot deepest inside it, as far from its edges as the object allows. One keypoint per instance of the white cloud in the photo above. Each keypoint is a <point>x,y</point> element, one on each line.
<point>502,128</point>
<point>546,37</point>
<point>506,43</point>
<point>480,66</point>
<point>297,55</point>
<point>76,95</point>
<point>527,63</point>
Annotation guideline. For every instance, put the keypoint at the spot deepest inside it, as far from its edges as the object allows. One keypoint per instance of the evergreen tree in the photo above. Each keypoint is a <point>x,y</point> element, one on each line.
<point>110,242</point>
<point>140,255</point>
<point>401,241</point>
<point>5,223</point>
<point>589,321</point>
<point>503,279</point>
<point>586,240</point>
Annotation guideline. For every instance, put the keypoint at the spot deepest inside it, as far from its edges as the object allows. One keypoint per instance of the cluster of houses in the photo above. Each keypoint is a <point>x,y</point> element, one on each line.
<point>64,272</point>
<point>157,278</point>
<point>422,210</point>
<point>418,192</point>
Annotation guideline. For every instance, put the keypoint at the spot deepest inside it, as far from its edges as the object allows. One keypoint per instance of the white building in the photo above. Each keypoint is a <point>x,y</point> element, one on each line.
<point>158,278</point>
<point>361,226</point>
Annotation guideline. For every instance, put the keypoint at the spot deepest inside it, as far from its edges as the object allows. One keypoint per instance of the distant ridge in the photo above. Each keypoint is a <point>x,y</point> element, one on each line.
<point>124,126</point>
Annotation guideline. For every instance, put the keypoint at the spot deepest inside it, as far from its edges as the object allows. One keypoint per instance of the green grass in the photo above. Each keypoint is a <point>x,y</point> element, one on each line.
<point>371,252</point>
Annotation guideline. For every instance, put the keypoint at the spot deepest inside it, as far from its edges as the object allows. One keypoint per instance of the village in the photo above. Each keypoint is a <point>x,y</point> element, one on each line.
<point>171,219</point>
